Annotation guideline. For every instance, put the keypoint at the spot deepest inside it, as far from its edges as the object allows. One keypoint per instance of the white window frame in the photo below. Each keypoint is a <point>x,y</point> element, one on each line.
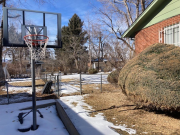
<point>166,31</point>
<point>160,35</point>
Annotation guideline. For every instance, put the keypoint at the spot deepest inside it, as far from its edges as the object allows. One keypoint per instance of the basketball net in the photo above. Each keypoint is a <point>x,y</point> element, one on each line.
<point>37,45</point>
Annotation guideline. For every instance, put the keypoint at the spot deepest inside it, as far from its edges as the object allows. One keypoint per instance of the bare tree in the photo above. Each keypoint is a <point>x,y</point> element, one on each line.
<point>19,59</point>
<point>116,53</point>
<point>11,4</point>
<point>118,15</point>
<point>64,62</point>
<point>49,63</point>
<point>78,52</point>
<point>95,32</point>
<point>74,54</point>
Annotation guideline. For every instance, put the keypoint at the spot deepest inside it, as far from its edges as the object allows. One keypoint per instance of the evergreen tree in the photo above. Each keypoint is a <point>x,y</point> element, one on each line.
<point>75,25</point>
<point>75,31</point>
<point>62,55</point>
<point>73,39</point>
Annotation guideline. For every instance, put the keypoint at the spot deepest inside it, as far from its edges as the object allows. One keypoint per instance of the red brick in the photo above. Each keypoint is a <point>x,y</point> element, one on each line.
<point>150,35</point>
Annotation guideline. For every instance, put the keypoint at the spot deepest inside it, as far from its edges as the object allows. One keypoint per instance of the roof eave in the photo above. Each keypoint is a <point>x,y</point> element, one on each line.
<point>131,31</point>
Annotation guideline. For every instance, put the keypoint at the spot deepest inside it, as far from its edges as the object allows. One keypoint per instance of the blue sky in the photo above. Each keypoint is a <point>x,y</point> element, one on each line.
<point>67,8</point>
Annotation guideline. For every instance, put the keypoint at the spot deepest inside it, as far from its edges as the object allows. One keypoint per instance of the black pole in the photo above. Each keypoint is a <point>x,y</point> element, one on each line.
<point>80,84</point>
<point>33,94</point>
<point>99,52</point>
<point>58,84</point>
<point>102,56</point>
<point>101,83</point>
<point>7,91</point>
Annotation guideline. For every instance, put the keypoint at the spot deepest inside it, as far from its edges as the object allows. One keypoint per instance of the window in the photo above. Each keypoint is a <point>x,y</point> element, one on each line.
<point>171,35</point>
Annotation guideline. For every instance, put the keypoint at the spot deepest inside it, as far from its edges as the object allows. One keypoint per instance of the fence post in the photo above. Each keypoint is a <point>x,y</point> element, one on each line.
<point>7,91</point>
<point>58,84</point>
<point>101,83</point>
<point>80,85</point>
<point>55,80</point>
<point>46,77</point>
<point>60,81</point>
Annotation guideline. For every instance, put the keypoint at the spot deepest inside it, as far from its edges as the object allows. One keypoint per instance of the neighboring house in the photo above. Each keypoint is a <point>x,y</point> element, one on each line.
<point>104,65</point>
<point>159,23</point>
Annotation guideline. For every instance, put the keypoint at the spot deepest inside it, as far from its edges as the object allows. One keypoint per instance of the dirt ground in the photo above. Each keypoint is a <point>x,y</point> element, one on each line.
<point>119,110</point>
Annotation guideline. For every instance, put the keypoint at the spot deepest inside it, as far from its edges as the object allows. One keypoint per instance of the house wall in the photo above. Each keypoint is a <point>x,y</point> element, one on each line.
<point>171,9</point>
<point>150,35</point>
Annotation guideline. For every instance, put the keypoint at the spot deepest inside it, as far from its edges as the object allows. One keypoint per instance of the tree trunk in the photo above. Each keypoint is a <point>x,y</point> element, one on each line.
<point>143,5</point>
<point>76,62</point>
<point>20,61</point>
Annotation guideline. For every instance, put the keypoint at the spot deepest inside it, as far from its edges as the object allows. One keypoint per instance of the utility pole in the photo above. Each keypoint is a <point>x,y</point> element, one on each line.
<point>102,55</point>
<point>99,51</point>
<point>90,51</point>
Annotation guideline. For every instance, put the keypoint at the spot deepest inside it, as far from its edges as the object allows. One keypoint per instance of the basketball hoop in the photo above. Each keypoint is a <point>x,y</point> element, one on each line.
<point>37,45</point>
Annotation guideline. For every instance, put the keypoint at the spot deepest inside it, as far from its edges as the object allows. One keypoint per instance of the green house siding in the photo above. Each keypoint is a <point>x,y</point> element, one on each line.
<point>157,11</point>
<point>171,9</point>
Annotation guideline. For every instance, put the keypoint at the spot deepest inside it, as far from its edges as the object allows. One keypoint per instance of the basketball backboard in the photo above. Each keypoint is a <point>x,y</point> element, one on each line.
<point>20,22</point>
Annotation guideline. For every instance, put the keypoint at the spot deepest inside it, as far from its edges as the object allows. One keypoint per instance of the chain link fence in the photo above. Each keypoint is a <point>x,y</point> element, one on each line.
<point>77,83</point>
<point>21,88</point>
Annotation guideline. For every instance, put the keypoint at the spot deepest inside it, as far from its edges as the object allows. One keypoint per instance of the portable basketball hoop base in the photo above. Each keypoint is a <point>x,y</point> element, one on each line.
<point>34,32</point>
<point>37,47</point>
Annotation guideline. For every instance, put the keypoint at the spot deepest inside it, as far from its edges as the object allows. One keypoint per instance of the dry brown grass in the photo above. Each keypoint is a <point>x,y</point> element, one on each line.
<point>67,80</point>
<point>46,96</point>
<point>119,110</point>
<point>38,94</point>
<point>74,103</point>
<point>2,92</point>
<point>71,94</point>
<point>27,83</point>
<point>92,88</point>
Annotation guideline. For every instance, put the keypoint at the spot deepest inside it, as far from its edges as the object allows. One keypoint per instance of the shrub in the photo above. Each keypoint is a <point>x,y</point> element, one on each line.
<point>152,78</point>
<point>113,76</point>
<point>92,71</point>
